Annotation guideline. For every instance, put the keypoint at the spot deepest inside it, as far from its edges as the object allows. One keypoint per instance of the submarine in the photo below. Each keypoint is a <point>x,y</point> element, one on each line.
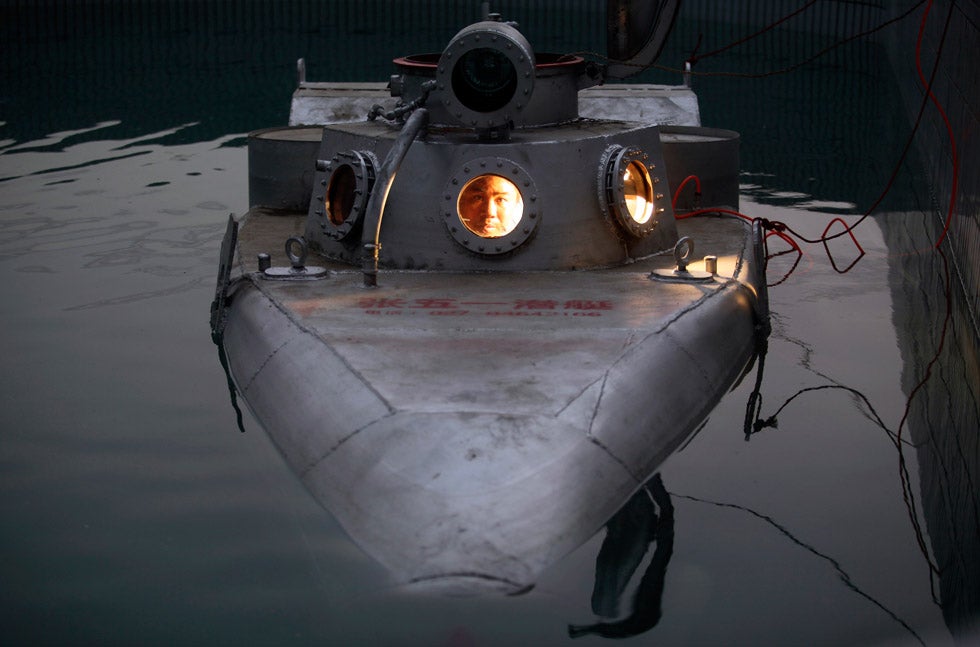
<point>473,322</point>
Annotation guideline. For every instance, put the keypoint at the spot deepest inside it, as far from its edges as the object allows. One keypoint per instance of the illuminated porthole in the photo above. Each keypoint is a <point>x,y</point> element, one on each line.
<point>627,191</point>
<point>490,206</point>
<point>347,189</point>
<point>637,192</point>
<point>339,200</point>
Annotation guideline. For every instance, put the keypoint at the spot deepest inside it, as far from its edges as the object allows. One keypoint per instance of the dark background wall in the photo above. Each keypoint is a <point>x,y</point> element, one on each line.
<point>957,87</point>
<point>937,296</point>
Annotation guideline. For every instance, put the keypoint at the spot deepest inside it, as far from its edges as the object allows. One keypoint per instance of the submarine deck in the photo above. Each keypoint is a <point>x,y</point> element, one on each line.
<point>588,316</point>
<point>472,415</point>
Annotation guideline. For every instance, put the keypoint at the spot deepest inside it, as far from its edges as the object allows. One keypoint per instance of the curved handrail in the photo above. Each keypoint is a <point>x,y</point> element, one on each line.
<point>370,238</point>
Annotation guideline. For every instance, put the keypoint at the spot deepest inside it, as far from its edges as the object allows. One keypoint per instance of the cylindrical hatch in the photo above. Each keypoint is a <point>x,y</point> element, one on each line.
<point>711,154</point>
<point>281,165</point>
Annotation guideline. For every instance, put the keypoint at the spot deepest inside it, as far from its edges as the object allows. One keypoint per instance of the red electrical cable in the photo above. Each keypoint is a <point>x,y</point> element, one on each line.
<point>793,247</point>
<point>701,212</point>
<point>777,229</point>
<point>774,229</point>
<point>848,229</point>
<point>694,58</point>
<point>907,492</point>
<point>942,113</point>
<point>850,232</point>
<point>697,189</point>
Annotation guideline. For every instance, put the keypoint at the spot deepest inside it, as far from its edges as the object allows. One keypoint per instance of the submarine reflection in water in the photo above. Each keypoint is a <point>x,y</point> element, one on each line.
<point>646,519</point>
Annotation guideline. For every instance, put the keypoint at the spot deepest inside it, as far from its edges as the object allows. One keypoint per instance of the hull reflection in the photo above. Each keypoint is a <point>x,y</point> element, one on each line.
<point>942,379</point>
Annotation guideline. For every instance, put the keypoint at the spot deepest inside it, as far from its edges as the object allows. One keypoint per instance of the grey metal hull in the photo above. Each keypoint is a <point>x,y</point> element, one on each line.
<point>469,429</point>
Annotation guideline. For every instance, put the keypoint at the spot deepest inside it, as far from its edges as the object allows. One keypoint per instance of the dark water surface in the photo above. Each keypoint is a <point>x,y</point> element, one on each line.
<point>133,512</point>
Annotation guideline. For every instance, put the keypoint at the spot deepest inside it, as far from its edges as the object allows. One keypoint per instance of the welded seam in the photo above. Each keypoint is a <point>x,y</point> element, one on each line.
<point>575,399</point>
<point>675,317</point>
<point>286,313</point>
<point>635,348</point>
<point>598,443</point>
<point>598,402</point>
<point>268,358</point>
<point>595,441</point>
<point>333,448</point>
<point>292,319</point>
<point>519,587</point>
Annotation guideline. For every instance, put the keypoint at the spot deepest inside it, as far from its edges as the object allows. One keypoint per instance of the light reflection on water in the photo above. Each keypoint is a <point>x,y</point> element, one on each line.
<point>133,510</point>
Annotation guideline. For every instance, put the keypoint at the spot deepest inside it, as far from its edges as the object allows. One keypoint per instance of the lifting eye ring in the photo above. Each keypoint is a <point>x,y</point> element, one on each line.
<point>296,258</point>
<point>626,191</point>
<point>683,251</point>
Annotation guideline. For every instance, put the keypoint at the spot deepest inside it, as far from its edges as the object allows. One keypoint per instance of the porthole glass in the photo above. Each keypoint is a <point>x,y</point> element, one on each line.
<point>484,80</point>
<point>638,192</point>
<point>490,206</point>
<point>340,194</point>
<point>627,191</point>
<point>347,188</point>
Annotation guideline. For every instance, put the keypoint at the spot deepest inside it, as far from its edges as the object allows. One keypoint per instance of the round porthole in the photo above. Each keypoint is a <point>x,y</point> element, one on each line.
<point>490,206</point>
<point>626,190</point>
<point>486,75</point>
<point>351,176</point>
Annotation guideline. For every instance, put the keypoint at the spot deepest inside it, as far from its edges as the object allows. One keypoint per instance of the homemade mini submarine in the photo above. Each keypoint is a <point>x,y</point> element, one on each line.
<point>484,327</point>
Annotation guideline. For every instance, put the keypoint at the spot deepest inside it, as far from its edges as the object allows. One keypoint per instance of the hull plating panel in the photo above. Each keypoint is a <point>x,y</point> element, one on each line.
<point>468,430</point>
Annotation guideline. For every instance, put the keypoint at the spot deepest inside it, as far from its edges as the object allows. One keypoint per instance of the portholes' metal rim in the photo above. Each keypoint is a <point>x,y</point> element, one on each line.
<point>612,194</point>
<point>495,36</point>
<point>510,170</point>
<point>364,165</point>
